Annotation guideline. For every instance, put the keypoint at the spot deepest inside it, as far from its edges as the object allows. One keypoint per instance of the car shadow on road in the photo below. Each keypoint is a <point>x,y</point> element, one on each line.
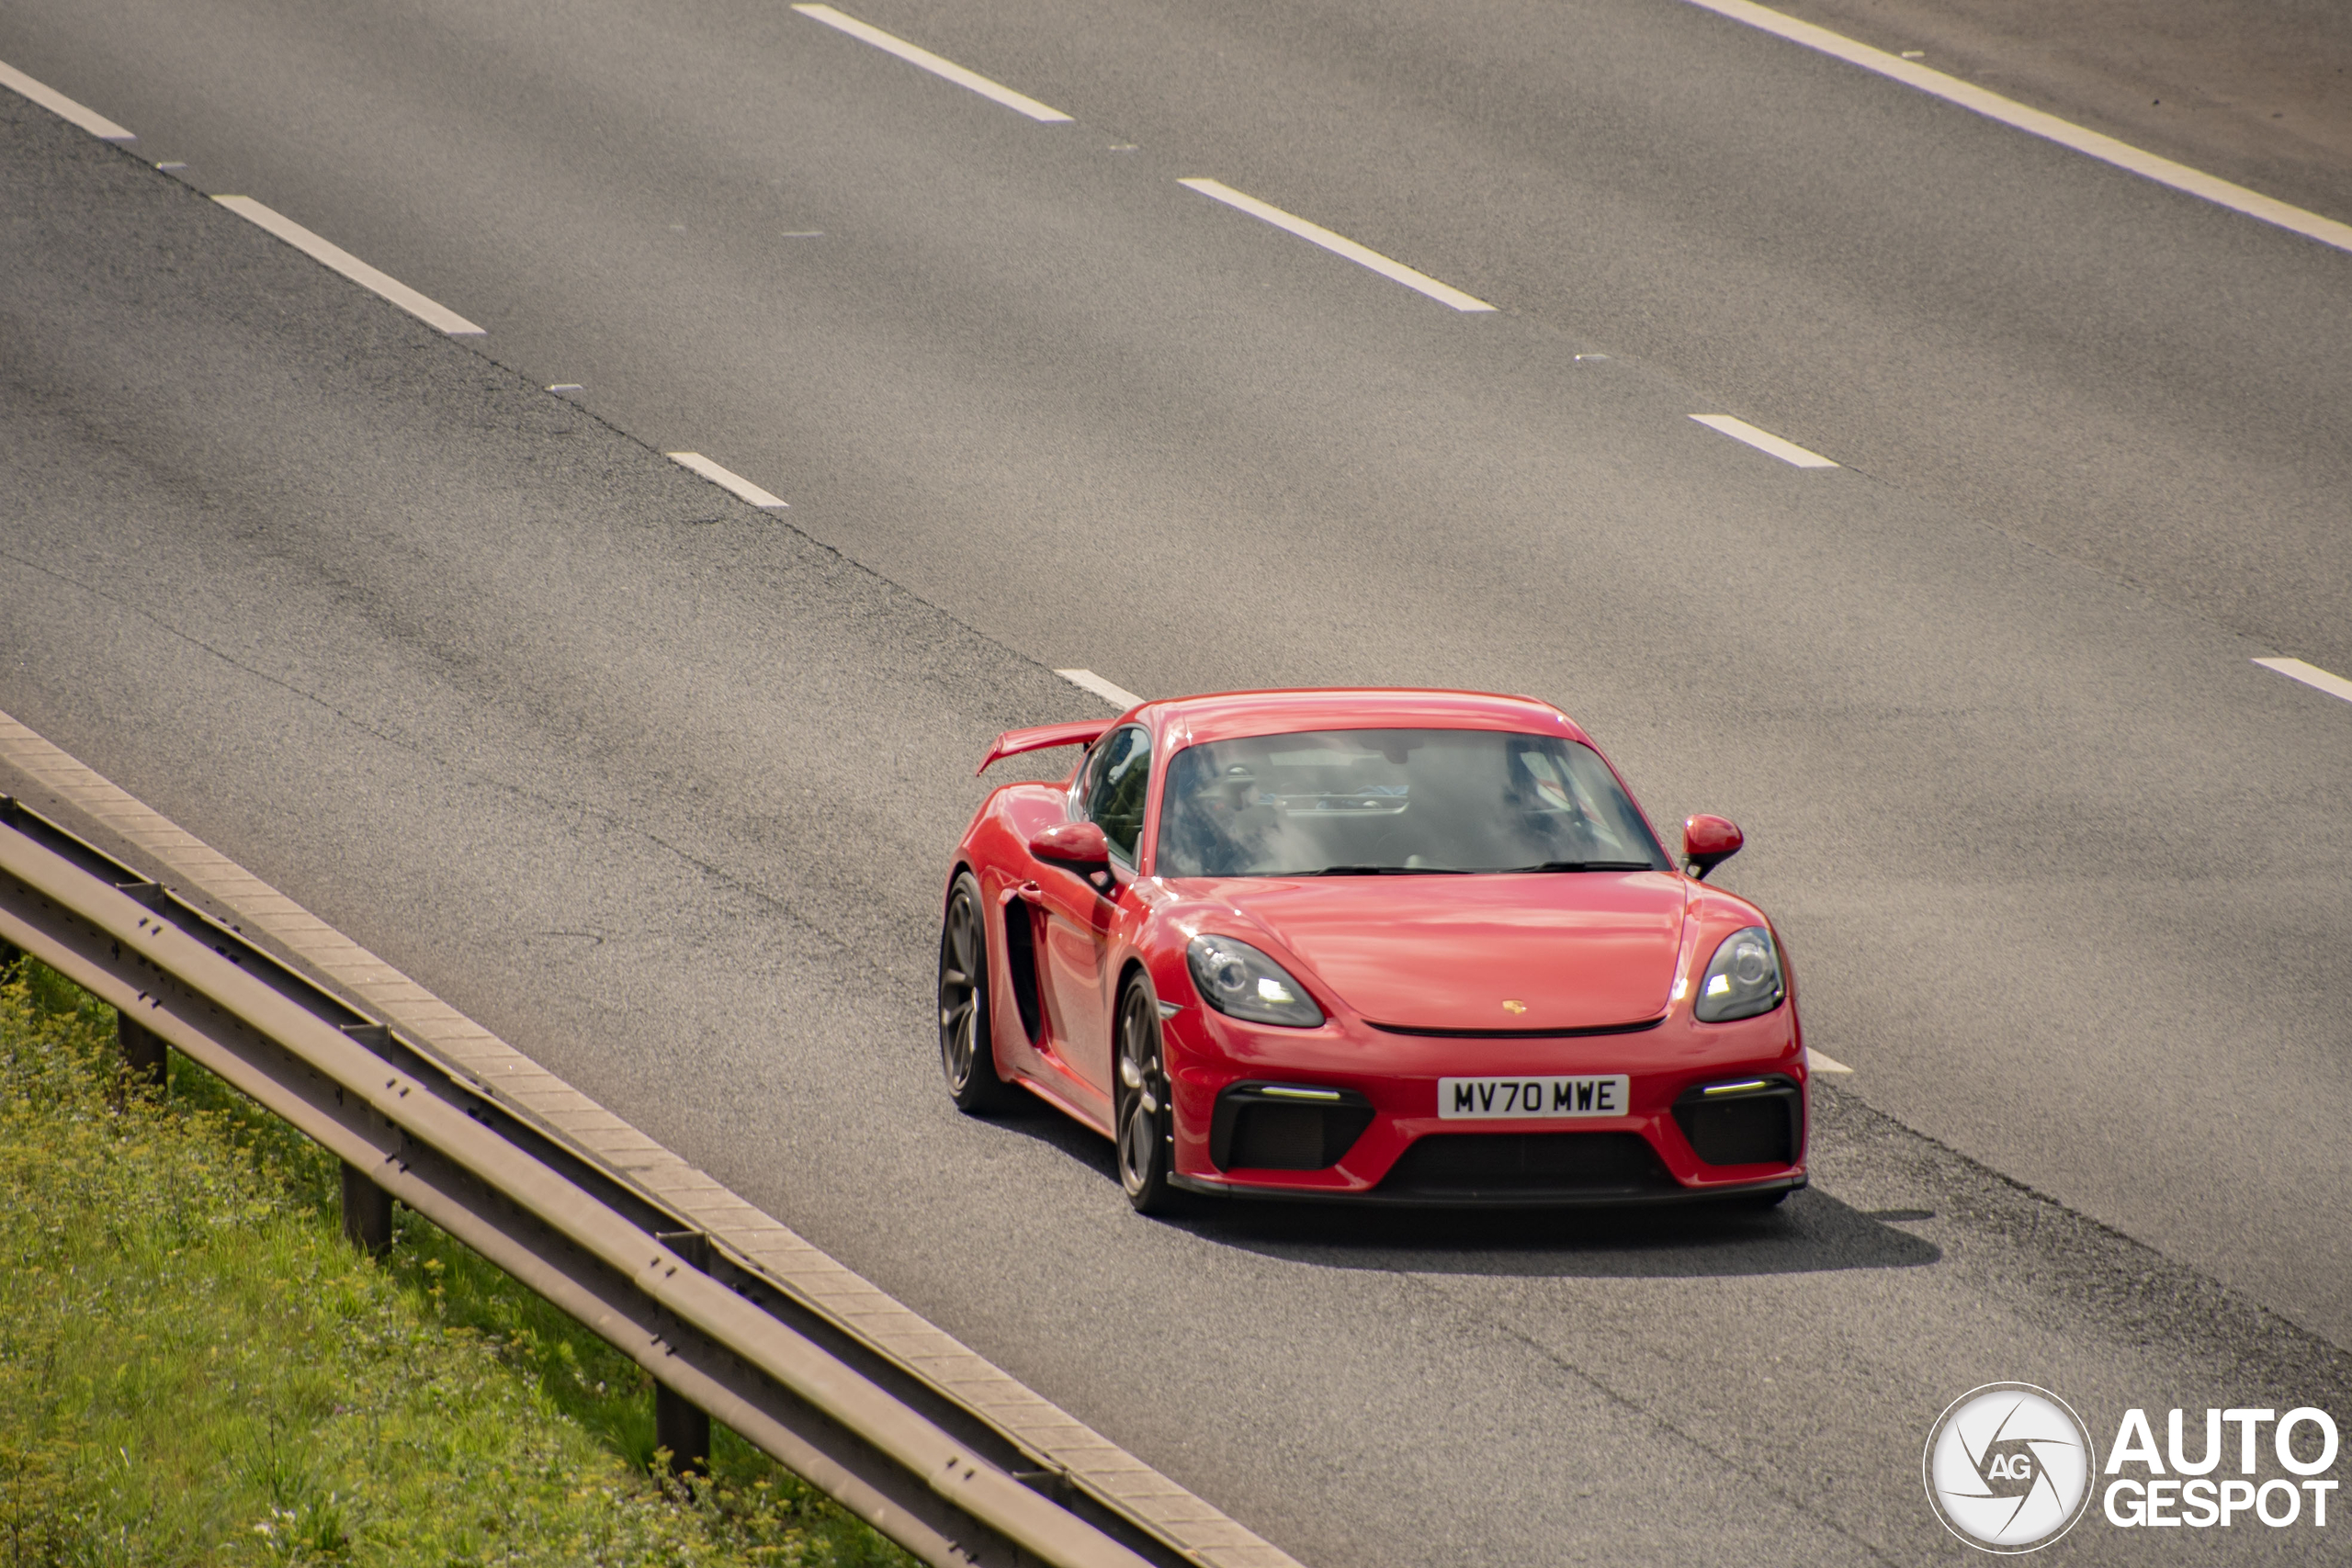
<point>1811,1233</point>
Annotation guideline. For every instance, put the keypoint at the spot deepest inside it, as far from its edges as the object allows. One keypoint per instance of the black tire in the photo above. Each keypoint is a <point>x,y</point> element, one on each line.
<point>1140,1115</point>
<point>967,1044</point>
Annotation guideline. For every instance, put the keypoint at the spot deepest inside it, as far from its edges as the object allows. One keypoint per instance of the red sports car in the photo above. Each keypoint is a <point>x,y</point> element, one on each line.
<point>1391,946</point>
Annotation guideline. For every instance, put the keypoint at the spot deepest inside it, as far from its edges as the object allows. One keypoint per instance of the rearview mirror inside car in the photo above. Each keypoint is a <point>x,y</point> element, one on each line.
<point>1708,841</point>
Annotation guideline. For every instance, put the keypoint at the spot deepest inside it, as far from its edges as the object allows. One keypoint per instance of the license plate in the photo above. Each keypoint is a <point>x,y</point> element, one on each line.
<point>1494,1100</point>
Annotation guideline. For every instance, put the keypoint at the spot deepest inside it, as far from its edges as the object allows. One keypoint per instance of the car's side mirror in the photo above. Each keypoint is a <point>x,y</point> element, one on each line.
<point>1079,846</point>
<point>1708,841</point>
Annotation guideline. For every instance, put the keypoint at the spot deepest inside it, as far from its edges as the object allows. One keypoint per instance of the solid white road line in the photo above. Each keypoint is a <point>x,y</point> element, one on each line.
<point>1763,441</point>
<point>1338,244</point>
<point>2311,676</point>
<point>351,266</point>
<point>913,55</point>
<point>63,107</point>
<point>1815,1062</point>
<point>2008,111</point>
<point>727,480</point>
<point>1117,696</point>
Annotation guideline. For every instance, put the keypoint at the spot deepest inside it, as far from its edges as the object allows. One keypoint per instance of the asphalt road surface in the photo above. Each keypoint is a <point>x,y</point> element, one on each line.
<point>659,785</point>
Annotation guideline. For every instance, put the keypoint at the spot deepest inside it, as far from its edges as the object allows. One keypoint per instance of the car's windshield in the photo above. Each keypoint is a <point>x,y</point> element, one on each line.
<point>1372,802</point>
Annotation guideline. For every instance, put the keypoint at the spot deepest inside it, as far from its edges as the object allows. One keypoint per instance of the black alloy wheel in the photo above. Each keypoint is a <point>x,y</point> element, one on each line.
<point>1140,1110</point>
<point>966,1054</point>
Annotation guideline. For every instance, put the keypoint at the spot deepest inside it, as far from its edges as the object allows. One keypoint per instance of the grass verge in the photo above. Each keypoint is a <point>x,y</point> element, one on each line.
<point>196,1369</point>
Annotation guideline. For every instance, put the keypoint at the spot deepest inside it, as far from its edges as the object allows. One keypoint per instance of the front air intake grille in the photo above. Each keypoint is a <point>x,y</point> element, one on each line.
<point>1279,1137</point>
<point>1280,1127</point>
<point>1528,1165</point>
<point>1749,1127</point>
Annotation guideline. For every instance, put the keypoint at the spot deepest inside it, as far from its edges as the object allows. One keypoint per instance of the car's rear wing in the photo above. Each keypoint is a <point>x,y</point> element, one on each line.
<point>1012,742</point>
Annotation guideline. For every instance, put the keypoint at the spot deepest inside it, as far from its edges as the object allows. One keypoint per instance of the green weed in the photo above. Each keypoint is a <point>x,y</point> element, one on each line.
<point>196,1369</point>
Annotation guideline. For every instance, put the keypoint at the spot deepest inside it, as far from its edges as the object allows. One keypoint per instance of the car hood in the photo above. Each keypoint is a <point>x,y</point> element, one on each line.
<point>1577,950</point>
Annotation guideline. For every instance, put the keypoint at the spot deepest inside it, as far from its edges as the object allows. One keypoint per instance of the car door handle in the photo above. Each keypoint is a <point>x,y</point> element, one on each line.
<point>1029,892</point>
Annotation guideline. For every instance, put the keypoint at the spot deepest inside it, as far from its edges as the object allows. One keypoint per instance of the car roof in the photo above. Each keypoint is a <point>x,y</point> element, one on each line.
<point>1225,716</point>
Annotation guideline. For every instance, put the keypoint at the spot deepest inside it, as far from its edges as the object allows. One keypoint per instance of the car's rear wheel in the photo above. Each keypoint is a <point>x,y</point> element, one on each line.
<point>966,1050</point>
<point>1139,1103</point>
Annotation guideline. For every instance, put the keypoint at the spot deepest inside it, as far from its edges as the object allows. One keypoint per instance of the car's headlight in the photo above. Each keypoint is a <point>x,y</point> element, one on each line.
<point>1743,978</point>
<point>1237,979</point>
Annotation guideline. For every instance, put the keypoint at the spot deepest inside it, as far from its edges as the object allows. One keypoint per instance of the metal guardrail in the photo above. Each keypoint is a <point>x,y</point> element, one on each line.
<point>932,1480</point>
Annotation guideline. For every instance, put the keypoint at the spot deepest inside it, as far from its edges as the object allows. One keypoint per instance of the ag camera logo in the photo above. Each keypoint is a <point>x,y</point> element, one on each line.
<point>2009,1467</point>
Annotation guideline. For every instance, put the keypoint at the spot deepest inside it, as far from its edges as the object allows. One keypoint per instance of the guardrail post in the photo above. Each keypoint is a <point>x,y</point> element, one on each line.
<point>682,1429</point>
<point>146,1059</point>
<point>367,1213</point>
<point>679,1425</point>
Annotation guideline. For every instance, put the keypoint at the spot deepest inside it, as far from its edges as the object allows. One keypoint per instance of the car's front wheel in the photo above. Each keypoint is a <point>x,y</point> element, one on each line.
<point>966,1051</point>
<point>1139,1105</point>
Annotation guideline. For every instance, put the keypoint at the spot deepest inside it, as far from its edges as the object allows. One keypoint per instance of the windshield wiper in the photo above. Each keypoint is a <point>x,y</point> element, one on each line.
<point>1589,866</point>
<point>1382,871</point>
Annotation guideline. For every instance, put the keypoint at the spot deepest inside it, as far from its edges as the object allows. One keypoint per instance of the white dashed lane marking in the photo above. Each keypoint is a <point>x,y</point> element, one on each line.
<point>726,478</point>
<point>63,107</point>
<point>1815,1062</point>
<point>1763,441</point>
<point>2311,676</point>
<point>915,55</point>
<point>351,266</point>
<point>1338,244</point>
<point>1087,680</point>
<point>2009,112</point>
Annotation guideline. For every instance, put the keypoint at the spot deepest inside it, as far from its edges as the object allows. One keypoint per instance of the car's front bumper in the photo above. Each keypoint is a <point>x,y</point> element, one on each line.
<point>1646,1155</point>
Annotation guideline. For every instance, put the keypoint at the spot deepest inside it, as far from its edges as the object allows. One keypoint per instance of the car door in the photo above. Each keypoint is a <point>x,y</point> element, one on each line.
<point>1079,915</point>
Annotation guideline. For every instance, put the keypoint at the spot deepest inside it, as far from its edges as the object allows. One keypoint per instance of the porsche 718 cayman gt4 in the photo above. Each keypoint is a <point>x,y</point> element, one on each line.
<point>1386,946</point>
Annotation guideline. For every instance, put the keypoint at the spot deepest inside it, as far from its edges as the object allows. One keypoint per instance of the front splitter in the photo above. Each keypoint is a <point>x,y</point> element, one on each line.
<point>1209,1187</point>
